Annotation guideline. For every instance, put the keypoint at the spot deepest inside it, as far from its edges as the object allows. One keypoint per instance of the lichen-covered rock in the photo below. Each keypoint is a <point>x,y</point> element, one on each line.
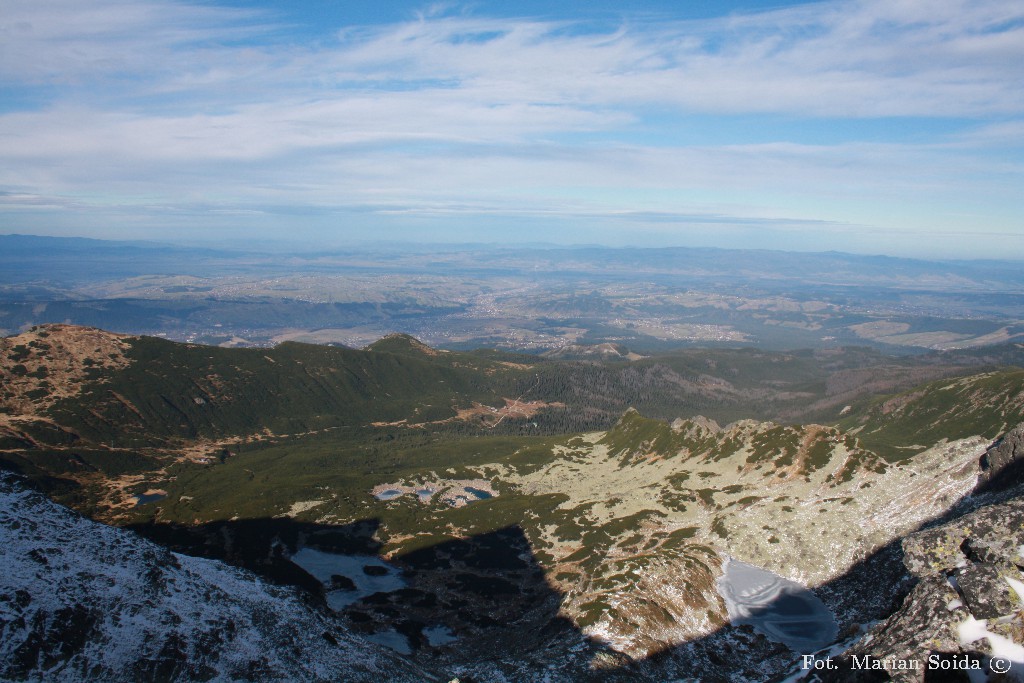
<point>925,623</point>
<point>993,534</point>
<point>985,589</point>
<point>962,609</point>
<point>934,550</point>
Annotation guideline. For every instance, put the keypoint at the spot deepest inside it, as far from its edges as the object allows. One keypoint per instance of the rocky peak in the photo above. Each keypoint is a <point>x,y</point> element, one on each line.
<point>697,423</point>
<point>402,343</point>
<point>963,605</point>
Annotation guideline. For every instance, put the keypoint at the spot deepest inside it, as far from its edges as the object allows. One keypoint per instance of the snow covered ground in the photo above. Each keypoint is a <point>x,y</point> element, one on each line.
<point>83,601</point>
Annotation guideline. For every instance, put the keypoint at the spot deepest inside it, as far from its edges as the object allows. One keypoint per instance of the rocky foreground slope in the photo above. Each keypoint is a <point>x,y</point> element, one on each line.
<point>963,618</point>
<point>83,601</point>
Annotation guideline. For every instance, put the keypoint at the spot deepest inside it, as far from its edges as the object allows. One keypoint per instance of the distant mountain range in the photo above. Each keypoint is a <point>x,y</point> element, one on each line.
<point>20,253</point>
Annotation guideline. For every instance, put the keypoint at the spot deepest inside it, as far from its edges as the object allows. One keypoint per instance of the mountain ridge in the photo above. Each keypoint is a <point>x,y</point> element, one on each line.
<point>252,455</point>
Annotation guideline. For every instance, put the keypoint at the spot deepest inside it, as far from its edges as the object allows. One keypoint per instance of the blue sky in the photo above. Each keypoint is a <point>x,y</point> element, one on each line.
<point>875,126</point>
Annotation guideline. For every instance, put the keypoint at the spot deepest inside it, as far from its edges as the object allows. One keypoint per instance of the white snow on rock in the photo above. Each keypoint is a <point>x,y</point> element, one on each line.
<point>83,601</point>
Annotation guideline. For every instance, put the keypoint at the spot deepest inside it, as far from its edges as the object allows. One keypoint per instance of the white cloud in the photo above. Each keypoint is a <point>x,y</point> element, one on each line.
<point>70,42</point>
<point>154,103</point>
<point>875,57</point>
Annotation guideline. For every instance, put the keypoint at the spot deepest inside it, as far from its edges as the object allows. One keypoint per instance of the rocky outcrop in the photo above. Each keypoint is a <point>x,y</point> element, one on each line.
<point>963,619</point>
<point>1002,466</point>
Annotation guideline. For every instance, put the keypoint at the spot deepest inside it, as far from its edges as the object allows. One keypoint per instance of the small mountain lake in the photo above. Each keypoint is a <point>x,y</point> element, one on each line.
<point>439,635</point>
<point>365,574</point>
<point>454,492</point>
<point>780,609</point>
<point>391,639</point>
<point>350,578</point>
<point>143,498</point>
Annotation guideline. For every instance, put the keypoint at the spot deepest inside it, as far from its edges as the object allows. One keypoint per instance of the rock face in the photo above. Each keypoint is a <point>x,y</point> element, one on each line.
<point>964,609</point>
<point>83,601</point>
<point>1003,465</point>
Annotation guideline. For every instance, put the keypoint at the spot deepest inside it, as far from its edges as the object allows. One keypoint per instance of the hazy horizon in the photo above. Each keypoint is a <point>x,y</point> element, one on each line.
<point>309,247</point>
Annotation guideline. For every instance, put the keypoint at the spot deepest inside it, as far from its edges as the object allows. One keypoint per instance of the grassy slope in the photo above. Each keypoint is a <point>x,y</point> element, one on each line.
<point>173,393</point>
<point>176,390</point>
<point>896,426</point>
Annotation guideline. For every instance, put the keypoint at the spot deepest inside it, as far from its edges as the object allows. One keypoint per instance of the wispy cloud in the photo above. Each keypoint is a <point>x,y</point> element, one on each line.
<point>153,103</point>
